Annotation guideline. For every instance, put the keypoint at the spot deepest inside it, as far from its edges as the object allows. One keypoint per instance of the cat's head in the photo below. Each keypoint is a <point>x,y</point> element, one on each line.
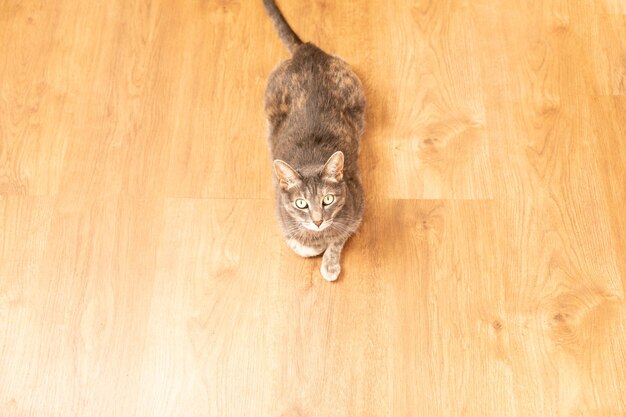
<point>312,199</point>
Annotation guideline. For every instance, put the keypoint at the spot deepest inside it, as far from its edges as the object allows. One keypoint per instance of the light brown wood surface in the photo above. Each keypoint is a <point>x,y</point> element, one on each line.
<point>141,268</point>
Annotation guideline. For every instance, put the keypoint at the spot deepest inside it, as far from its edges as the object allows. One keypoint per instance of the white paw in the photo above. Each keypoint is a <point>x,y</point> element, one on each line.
<point>304,251</point>
<point>330,274</point>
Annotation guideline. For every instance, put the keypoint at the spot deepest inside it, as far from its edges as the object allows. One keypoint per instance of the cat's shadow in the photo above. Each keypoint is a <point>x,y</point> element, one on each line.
<point>375,121</point>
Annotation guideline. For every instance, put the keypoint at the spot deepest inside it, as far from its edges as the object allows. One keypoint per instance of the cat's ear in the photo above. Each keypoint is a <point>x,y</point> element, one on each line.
<point>333,169</point>
<point>287,176</point>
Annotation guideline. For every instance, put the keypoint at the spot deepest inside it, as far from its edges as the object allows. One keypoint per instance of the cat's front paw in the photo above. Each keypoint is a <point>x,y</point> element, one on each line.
<point>330,272</point>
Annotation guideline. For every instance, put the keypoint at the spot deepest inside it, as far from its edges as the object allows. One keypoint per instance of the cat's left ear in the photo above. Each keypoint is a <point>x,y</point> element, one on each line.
<point>287,176</point>
<point>333,169</point>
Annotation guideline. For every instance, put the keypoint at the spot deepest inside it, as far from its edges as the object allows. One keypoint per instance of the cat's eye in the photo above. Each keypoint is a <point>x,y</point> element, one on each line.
<point>328,199</point>
<point>301,204</point>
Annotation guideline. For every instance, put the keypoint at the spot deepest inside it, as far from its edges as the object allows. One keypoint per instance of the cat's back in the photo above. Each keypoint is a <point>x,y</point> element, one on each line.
<point>315,93</point>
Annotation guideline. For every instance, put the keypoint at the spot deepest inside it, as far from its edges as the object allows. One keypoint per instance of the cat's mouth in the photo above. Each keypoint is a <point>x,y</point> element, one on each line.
<point>315,228</point>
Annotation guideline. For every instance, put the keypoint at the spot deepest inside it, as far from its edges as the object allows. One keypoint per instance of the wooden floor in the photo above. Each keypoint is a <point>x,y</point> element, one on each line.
<point>141,268</point>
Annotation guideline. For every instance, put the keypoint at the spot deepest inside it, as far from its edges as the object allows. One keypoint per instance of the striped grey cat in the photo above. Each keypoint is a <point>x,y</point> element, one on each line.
<point>315,107</point>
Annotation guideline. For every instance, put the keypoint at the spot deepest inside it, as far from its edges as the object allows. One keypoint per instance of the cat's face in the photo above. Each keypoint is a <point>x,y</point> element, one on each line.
<point>312,202</point>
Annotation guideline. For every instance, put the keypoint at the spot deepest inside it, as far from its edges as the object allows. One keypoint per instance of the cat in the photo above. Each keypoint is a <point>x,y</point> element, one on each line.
<point>315,107</point>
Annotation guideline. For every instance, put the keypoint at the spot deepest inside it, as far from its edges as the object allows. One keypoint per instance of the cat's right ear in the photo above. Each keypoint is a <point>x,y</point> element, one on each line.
<point>333,169</point>
<point>287,176</point>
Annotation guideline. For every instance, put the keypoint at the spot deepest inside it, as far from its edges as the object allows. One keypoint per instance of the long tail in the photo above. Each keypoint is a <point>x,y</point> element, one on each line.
<point>285,33</point>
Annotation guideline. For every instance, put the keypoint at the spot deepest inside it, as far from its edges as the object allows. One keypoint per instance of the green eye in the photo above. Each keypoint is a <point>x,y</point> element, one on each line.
<point>301,204</point>
<point>328,199</point>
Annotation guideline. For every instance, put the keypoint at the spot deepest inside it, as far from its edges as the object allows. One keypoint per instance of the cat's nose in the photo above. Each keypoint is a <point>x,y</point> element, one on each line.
<point>317,222</point>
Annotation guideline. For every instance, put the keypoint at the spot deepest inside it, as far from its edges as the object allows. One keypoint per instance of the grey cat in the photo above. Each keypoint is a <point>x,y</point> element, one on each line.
<point>315,107</point>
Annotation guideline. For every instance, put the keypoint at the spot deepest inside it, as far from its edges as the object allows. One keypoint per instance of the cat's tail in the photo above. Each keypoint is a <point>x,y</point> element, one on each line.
<point>285,33</point>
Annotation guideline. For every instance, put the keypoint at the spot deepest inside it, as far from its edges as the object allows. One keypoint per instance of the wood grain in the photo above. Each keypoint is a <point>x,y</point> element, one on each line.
<point>141,268</point>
